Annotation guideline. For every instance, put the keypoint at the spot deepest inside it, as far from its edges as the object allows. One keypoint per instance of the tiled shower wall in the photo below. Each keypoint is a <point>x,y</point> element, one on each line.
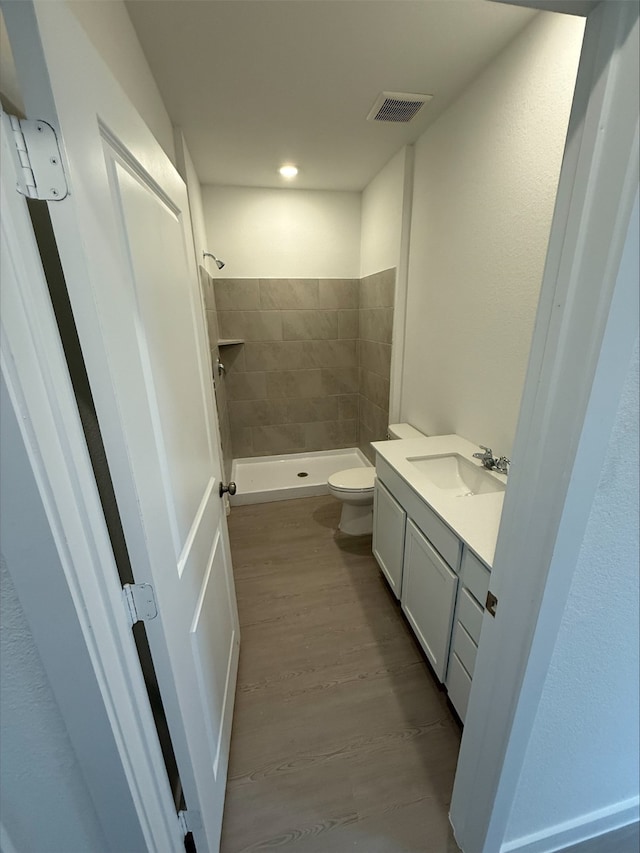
<point>299,381</point>
<point>206,283</point>
<point>374,339</point>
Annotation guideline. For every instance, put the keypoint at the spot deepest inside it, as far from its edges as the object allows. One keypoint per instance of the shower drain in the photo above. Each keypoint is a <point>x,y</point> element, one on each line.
<point>303,474</point>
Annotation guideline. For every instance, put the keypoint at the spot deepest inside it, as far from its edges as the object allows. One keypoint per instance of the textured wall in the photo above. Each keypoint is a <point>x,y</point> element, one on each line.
<point>376,323</point>
<point>382,212</point>
<point>485,181</point>
<point>586,726</point>
<point>45,804</point>
<point>283,233</point>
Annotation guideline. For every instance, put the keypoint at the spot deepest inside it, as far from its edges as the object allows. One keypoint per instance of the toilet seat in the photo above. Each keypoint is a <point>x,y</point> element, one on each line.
<point>353,480</point>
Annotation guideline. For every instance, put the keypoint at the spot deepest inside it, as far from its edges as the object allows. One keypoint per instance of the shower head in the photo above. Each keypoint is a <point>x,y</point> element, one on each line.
<point>219,263</point>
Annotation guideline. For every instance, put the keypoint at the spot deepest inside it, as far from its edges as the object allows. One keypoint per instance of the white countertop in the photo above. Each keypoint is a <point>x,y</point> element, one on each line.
<point>474,519</point>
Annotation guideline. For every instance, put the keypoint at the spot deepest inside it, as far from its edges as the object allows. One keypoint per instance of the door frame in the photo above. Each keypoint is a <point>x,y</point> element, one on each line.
<point>586,327</point>
<point>44,402</point>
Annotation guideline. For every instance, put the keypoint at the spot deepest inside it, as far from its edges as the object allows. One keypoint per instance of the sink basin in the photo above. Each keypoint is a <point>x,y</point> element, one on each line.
<point>453,473</point>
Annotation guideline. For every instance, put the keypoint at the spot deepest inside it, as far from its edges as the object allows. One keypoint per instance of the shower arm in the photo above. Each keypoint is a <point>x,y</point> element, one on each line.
<point>219,263</point>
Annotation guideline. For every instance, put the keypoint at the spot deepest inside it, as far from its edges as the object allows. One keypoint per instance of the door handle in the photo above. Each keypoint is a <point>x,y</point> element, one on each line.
<point>231,488</point>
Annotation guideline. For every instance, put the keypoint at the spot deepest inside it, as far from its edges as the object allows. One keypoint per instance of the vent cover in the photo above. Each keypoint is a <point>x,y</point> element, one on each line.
<point>397,106</point>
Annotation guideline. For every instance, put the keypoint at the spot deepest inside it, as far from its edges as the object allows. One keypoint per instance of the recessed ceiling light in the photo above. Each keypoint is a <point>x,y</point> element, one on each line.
<point>288,171</point>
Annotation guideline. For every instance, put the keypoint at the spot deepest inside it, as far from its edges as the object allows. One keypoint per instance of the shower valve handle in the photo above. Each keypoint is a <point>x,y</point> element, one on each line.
<point>231,488</point>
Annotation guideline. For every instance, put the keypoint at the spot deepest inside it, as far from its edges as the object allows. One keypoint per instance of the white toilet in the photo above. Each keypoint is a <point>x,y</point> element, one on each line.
<point>354,487</point>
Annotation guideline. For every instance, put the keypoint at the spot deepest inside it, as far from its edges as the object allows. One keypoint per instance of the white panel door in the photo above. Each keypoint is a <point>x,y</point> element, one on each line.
<point>124,238</point>
<point>428,597</point>
<point>389,521</point>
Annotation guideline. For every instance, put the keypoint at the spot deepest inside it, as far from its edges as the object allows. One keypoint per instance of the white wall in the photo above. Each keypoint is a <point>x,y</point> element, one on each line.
<point>283,233</point>
<point>111,32</point>
<point>485,180</point>
<point>185,166</point>
<point>45,803</point>
<point>585,740</point>
<point>382,216</point>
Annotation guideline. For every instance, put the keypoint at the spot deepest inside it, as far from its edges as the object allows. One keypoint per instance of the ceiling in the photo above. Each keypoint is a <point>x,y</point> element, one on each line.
<point>255,83</point>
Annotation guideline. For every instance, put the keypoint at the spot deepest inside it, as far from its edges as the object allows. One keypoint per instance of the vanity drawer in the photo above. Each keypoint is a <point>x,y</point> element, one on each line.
<point>440,535</point>
<point>470,615</point>
<point>458,686</point>
<point>475,576</point>
<point>465,648</point>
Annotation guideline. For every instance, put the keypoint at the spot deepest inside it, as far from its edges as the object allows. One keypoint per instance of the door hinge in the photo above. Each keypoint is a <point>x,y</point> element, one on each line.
<point>491,604</point>
<point>140,602</point>
<point>189,820</point>
<point>37,159</point>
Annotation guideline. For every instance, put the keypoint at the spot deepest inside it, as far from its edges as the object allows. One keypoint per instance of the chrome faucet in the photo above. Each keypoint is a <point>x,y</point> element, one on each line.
<point>486,457</point>
<point>490,462</point>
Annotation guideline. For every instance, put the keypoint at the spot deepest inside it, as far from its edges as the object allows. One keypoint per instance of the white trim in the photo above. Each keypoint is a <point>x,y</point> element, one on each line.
<point>401,289</point>
<point>39,386</point>
<point>575,831</point>
<point>563,429</point>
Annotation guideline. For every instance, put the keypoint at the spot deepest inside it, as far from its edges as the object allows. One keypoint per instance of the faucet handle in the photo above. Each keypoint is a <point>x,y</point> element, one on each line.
<point>486,449</point>
<point>502,465</point>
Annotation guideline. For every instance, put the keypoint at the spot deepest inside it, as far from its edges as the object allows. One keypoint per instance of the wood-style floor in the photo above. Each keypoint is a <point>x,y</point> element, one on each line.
<point>342,739</point>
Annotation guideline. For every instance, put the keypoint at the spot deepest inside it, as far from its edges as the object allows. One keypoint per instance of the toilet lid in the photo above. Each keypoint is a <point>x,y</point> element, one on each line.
<point>353,479</point>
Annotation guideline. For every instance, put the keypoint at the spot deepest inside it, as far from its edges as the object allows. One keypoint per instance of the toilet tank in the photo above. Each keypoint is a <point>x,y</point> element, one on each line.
<point>403,431</point>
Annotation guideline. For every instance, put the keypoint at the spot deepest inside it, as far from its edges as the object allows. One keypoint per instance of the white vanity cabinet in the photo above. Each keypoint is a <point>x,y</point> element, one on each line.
<point>441,583</point>
<point>429,589</point>
<point>474,584</point>
<point>389,521</point>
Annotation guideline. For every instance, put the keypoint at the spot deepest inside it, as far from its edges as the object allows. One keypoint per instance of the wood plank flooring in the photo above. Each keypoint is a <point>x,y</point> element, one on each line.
<point>342,739</point>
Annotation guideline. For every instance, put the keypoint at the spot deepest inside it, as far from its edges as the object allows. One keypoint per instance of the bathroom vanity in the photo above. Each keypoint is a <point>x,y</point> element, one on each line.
<point>436,518</point>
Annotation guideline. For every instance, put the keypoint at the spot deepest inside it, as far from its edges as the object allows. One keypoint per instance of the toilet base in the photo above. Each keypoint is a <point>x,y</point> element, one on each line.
<point>356,519</point>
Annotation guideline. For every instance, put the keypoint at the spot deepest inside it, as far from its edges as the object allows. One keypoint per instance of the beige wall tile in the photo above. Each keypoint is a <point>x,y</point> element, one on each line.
<point>314,371</point>
<point>251,325</point>
<point>281,438</point>
<point>243,413</point>
<point>348,407</point>
<point>329,353</point>
<point>220,393</point>
<point>377,290</point>
<point>376,324</point>
<point>340,380</point>
<point>348,324</point>
<point>206,285</point>
<point>289,384</point>
<point>375,357</point>
<point>364,443</point>
<point>247,386</point>
<point>274,355</point>
<point>311,409</point>
<point>288,293</point>
<point>375,419</point>
<point>233,358</point>
<point>329,435</point>
<point>237,294</point>
<point>309,325</point>
<point>338,293</point>
<point>375,388</point>
<point>242,442</point>
<point>212,327</point>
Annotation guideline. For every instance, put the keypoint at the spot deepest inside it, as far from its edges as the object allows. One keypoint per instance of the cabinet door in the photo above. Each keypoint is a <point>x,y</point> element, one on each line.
<point>428,597</point>
<point>388,535</point>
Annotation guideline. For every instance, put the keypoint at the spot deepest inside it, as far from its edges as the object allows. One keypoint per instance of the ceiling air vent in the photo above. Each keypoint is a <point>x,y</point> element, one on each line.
<point>397,106</point>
